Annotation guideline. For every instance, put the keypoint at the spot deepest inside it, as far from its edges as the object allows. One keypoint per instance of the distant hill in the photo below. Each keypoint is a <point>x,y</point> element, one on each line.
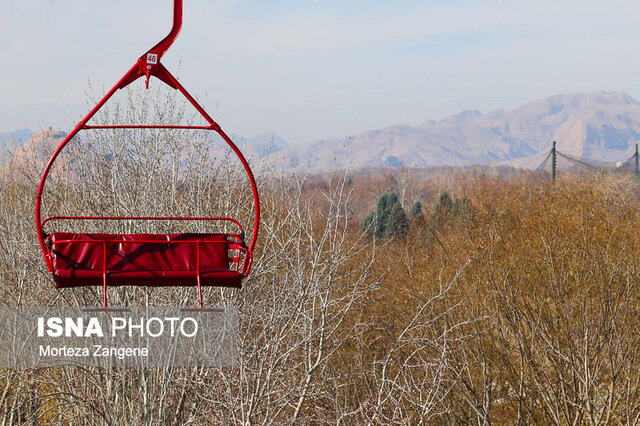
<point>10,141</point>
<point>263,144</point>
<point>602,125</point>
<point>18,137</point>
<point>30,157</point>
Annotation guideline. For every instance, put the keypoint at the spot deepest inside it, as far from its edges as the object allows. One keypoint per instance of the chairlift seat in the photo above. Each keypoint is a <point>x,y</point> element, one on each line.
<point>145,259</point>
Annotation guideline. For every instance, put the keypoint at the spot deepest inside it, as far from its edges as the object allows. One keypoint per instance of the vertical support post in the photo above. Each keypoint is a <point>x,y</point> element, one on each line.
<point>553,163</point>
<point>198,273</point>
<point>636,159</point>
<point>104,274</point>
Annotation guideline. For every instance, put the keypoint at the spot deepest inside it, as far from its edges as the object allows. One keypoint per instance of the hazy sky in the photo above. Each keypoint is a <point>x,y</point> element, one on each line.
<point>310,70</point>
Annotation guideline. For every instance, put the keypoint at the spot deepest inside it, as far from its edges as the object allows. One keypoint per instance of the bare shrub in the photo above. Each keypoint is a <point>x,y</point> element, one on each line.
<point>524,312</point>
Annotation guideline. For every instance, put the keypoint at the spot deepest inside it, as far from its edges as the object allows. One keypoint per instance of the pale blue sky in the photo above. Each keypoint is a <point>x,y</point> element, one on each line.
<point>310,70</point>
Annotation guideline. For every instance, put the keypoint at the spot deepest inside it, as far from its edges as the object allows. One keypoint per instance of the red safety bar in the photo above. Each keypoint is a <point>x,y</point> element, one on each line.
<point>146,259</point>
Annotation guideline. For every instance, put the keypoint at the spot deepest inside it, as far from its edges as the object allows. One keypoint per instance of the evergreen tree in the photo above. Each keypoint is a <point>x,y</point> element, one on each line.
<point>367,222</point>
<point>416,210</point>
<point>442,209</point>
<point>389,219</point>
<point>397,222</point>
<point>385,202</point>
<point>446,209</point>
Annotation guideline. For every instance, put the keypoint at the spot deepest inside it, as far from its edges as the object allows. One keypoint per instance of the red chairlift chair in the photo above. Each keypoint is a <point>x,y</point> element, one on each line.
<point>198,259</point>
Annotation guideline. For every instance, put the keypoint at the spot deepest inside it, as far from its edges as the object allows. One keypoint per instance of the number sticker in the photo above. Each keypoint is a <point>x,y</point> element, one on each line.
<point>152,58</point>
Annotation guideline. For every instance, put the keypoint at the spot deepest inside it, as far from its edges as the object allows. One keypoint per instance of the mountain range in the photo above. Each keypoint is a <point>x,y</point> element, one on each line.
<point>601,125</point>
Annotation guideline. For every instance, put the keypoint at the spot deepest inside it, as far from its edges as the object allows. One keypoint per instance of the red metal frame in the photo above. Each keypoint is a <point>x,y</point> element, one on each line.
<point>146,66</point>
<point>141,218</point>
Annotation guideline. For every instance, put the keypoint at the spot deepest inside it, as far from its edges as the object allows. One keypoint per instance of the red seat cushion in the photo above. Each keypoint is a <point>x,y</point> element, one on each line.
<point>142,259</point>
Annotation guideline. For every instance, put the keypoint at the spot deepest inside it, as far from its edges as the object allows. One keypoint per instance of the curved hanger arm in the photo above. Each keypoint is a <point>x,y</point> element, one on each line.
<point>83,126</point>
<point>149,63</point>
<point>166,42</point>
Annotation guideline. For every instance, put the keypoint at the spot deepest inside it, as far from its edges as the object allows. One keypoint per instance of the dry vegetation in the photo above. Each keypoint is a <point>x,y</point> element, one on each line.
<point>524,311</point>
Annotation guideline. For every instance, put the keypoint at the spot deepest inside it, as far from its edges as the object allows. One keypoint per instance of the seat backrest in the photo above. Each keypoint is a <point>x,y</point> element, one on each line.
<point>140,252</point>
